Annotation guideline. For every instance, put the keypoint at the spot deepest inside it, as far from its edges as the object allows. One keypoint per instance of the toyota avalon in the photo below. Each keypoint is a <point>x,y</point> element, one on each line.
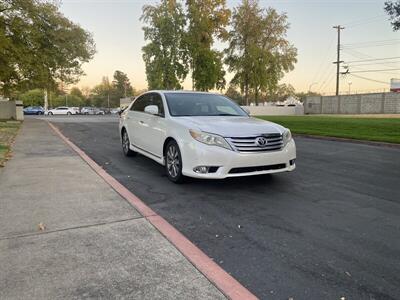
<point>204,135</point>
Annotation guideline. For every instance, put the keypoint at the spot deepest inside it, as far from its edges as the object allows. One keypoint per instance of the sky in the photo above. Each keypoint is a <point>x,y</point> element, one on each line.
<point>117,31</point>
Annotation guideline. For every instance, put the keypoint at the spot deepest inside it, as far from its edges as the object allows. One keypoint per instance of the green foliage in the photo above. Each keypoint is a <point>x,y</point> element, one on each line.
<point>233,94</point>
<point>165,54</point>
<point>121,85</point>
<point>281,92</point>
<point>372,129</point>
<point>33,97</point>
<point>39,46</point>
<point>393,10</point>
<point>68,100</point>
<point>75,91</point>
<point>258,53</point>
<point>207,21</point>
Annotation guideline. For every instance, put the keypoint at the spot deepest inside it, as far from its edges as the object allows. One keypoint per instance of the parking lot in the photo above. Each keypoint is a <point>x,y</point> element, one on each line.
<point>328,230</point>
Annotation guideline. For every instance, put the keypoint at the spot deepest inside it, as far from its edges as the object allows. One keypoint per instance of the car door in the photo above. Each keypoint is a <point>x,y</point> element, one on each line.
<point>154,126</point>
<point>60,111</point>
<point>134,121</point>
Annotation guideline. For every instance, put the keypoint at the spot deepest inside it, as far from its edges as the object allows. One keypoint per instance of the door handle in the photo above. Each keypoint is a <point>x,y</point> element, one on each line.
<point>141,122</point>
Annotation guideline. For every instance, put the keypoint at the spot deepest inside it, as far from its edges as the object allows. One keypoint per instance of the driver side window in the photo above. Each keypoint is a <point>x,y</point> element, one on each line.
<point>140,103</point>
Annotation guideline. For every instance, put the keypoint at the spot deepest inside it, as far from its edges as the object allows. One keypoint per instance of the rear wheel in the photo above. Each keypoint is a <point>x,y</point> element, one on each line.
<point>126,144</point>
<point>173,163</point>
<point>69,113</point>
<point>50,113</point>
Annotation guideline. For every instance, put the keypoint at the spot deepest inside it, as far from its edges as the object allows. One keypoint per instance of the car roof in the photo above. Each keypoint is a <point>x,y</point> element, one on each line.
<point>181,92</point>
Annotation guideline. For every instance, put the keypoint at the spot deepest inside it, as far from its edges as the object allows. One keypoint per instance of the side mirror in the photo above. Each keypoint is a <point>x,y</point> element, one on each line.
<point>151,109</point>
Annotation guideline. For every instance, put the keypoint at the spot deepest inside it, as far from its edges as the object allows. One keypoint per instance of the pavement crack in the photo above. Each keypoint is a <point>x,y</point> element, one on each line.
<point>68,228</point>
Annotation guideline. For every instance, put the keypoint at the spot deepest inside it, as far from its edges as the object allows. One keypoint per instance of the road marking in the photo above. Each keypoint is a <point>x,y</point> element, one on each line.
<point>228,285</point>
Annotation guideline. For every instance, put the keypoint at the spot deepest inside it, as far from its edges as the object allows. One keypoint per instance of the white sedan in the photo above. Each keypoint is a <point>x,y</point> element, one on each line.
<point>62,110</point>
<point>204,135</point>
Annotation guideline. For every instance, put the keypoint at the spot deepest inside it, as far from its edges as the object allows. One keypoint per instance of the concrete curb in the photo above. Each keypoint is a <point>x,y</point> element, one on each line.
<point>228,285</point>
<point>354,141</point>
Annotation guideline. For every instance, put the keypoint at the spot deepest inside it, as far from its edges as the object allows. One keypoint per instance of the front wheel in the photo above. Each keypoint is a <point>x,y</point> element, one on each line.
<point>50,113</point>
<point>173,163</point>
<point>126,145</point>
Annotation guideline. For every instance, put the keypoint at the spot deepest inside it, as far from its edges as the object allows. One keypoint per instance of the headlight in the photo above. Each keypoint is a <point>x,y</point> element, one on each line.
<point>287,136</point>
<point>210,139</point>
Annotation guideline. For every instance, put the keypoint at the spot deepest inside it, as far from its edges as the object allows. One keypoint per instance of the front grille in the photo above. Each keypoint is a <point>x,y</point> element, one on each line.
<point>256,169</point>
<point>274,141</point>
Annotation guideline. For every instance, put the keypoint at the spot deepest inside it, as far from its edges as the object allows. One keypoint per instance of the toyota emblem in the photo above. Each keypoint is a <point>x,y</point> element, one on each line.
<point>261,141</point>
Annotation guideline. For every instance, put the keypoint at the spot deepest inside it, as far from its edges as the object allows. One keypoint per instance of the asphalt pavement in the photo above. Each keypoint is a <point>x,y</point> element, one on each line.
<point>328,230</point>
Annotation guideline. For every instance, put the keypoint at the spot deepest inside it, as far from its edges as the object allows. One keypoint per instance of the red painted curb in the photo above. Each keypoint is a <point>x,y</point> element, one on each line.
<point>228,285</point>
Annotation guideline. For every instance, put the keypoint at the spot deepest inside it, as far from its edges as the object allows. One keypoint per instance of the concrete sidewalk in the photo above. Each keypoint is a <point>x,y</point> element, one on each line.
<point>95,244</point>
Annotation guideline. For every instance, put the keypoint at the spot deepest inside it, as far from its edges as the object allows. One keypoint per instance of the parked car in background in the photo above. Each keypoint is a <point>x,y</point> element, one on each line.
<point>34,110</point>
<point>91,111</point>
<point>204,135</point>
<point>115,111</point>
<point>63,110</point>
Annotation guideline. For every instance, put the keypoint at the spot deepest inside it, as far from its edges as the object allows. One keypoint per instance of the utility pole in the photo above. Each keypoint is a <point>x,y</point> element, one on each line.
<point>338,61</point>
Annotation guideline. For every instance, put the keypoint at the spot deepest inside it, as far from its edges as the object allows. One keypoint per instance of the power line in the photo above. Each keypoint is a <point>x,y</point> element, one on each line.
<point>370,71</point>
<point>366,20</point>
<point>372,63</point>
<point>364,56</point>
<point>365,78</point>
<point>322,61</point>
<point>372,42</point>
<point>371,46</point>
<point>373,59</point>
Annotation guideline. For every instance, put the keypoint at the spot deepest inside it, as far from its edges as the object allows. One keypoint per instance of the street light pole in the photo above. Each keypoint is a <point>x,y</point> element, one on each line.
<point>309,88</point>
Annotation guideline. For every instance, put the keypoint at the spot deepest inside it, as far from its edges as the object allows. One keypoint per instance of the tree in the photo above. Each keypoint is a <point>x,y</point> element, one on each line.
<point>165,54</point>
<point>243,37</point>
<point>75,91</point>
<point>121,85</point>
<point>104,95</point>
<point>32,97</point>
<point>207,21</point>
<point>393,10</point>
<point>258,53</point>
<point>39,46</point>
<point>281,92</point>
<point>232,93</point>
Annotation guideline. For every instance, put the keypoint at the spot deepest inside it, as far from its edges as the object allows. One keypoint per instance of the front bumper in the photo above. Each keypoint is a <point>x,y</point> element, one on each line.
<point>244,164</point>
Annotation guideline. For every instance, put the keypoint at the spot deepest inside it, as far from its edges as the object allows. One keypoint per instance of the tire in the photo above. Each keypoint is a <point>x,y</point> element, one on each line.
<point>50,113</point>
<point>173,163</point>
<point>38,113</point>
<point>126,143</point>
<point>68,113</point>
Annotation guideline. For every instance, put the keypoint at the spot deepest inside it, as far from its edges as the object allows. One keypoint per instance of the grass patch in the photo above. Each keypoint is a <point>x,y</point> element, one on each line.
<point>7,135</point>
<point>370,129</point>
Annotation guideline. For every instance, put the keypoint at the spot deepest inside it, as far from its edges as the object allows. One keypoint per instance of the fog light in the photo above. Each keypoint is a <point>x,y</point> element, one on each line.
<point>292,161</point>
<point>201,169</point>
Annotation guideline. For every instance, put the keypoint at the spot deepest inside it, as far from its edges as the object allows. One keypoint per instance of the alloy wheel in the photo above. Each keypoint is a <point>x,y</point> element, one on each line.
<point>173,161</point>
<point>125,142</point>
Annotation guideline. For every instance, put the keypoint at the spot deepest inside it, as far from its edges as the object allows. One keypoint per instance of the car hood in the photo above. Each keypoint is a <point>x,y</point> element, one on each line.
<point>230,126</point>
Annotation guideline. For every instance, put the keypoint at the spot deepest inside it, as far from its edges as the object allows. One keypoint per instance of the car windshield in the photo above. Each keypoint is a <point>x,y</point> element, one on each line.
<point>196,104</point>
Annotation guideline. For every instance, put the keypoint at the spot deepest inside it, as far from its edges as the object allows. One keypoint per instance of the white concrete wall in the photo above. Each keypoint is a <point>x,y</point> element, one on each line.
<point>11,110</point>
<point>374,103</point>
<point>275,110</point>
